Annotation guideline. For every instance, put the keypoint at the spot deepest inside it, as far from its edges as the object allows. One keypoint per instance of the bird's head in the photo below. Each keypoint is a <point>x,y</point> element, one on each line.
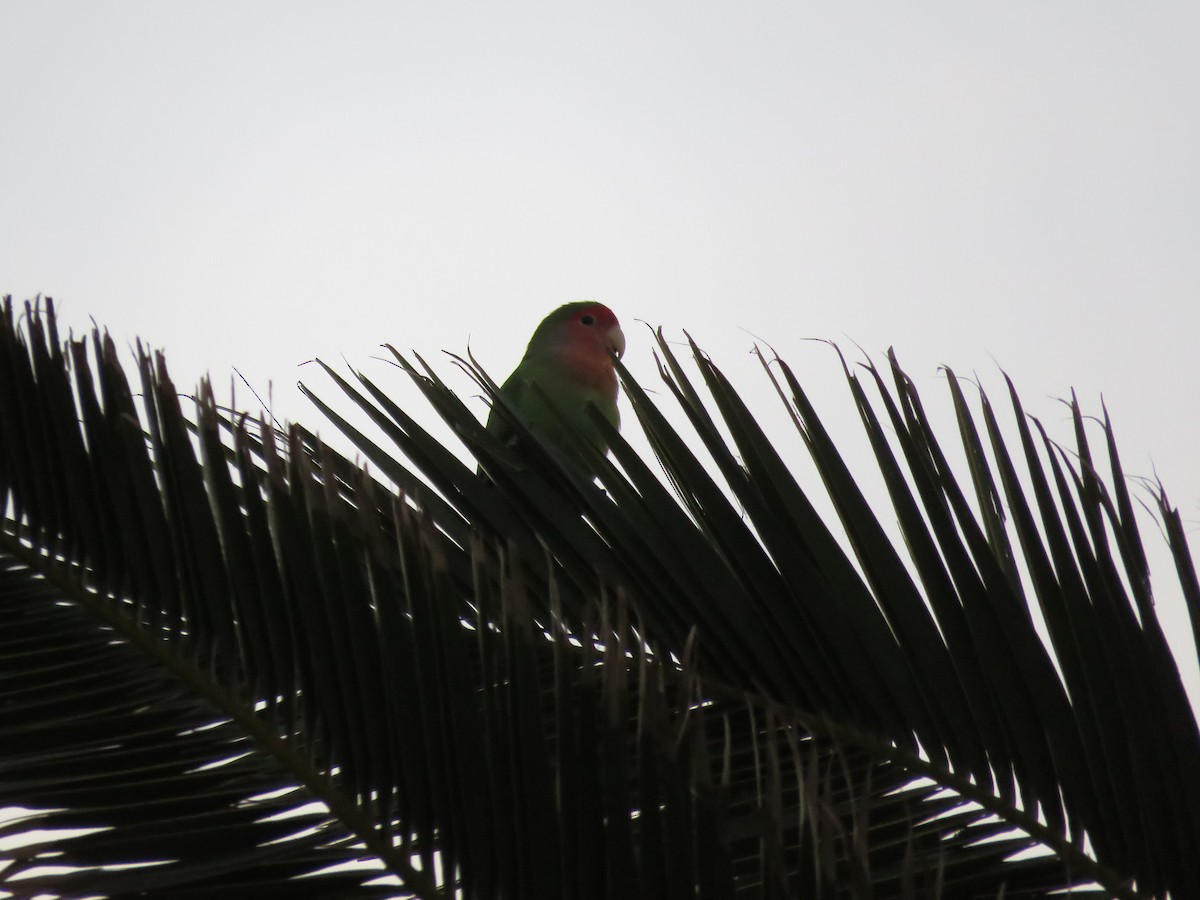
<point>586,331</point>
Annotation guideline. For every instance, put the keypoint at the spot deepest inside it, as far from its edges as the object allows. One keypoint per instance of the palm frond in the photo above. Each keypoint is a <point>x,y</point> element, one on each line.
<point>525,685</point>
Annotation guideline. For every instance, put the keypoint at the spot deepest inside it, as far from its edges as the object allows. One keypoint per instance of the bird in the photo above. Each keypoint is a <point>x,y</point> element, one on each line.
<point>570,360</point>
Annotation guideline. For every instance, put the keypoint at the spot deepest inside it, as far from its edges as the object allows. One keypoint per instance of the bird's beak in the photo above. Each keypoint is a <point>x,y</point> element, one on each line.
<point>616,341</point>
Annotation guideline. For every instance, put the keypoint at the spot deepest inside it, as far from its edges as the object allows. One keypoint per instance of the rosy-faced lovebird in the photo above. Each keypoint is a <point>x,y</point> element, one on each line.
<point>569,358</point>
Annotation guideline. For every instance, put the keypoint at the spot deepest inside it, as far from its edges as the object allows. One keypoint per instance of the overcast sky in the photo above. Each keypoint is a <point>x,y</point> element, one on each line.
<point>984,185</point>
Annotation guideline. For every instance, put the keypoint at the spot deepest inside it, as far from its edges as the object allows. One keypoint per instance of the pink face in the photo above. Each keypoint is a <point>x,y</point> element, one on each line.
<point>587,336</point>
<point>596,326</point>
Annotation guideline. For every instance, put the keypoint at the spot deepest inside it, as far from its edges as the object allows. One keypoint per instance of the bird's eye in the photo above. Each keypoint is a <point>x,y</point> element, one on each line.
<point>588,319</point>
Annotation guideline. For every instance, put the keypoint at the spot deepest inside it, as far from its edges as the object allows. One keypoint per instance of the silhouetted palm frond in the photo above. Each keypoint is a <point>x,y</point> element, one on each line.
<point>245,667</point>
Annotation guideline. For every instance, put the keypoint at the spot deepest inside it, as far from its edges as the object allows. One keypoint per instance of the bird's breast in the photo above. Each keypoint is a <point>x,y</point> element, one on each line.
<point>593,373</point>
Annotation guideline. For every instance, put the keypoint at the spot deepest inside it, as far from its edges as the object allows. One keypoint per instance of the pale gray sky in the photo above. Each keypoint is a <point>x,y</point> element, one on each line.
<point>253,184</point>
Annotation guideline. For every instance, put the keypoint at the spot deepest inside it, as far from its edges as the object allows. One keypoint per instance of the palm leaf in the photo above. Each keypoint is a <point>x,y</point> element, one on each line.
<point>522,685</point>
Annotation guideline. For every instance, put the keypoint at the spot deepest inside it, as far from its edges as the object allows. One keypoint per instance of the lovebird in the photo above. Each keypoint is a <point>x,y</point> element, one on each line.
<point>570,358</point>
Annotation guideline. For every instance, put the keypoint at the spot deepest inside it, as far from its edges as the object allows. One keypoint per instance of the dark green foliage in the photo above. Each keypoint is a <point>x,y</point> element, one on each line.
<point>531,685</point>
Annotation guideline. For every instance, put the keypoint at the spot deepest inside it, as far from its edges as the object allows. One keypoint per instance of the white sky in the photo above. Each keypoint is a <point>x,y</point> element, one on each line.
<point>990,184</point>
